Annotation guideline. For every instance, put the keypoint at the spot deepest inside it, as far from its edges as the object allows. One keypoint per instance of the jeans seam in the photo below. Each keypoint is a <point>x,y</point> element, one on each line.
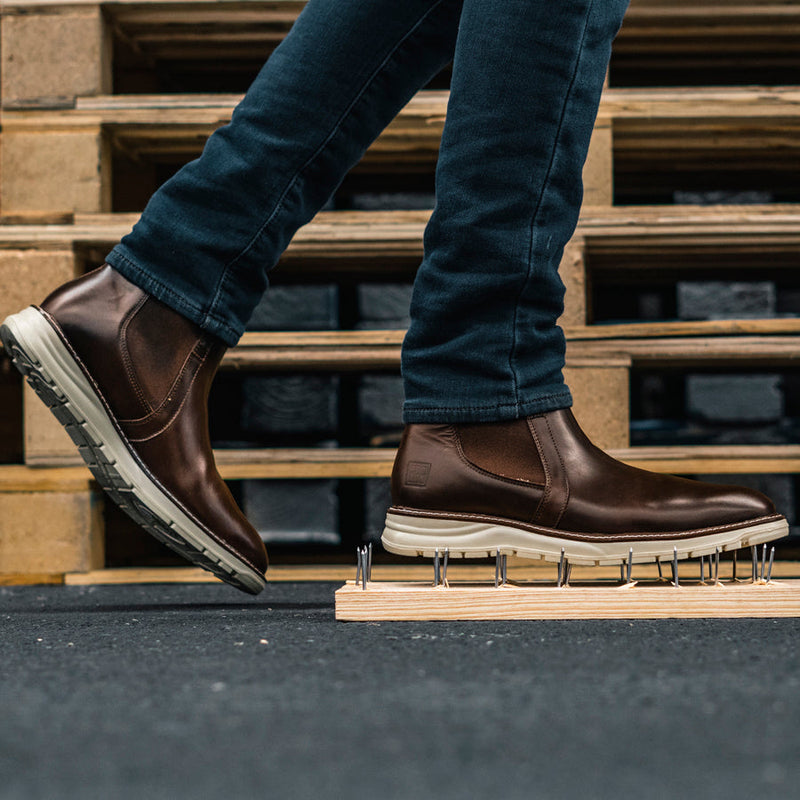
<point>226,270</point>
<point>535,216</point>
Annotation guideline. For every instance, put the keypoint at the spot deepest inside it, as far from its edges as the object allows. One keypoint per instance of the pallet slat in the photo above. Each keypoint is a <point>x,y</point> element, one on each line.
<point>377,462</point>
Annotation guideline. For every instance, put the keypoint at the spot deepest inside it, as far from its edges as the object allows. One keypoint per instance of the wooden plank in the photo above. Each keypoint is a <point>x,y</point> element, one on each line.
<point>377,463</point>
<point>15,478</point>
<point>344,235</point>
<point>410,601</point>
<point>31,579</point>
<point>696,350</point>
<point>713,459</point>
<point>305,463</point>
<point>427,109</point>
<point>680,342</point>
<point>671,330</point>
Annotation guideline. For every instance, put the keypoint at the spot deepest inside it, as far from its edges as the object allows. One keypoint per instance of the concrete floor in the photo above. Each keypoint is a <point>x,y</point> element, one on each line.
<point>198,691</point>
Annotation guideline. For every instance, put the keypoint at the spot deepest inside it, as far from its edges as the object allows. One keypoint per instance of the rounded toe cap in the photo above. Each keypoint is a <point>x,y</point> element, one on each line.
<point>741,503</point>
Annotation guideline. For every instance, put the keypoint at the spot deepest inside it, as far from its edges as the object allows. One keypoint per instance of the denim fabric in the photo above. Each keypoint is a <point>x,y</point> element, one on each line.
<point>527,76</point>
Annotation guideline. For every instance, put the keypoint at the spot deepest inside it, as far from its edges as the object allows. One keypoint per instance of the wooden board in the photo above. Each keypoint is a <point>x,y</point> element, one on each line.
<point>734,341</point>
<point>414,601</point>
<point>31,579</point>
<point>343,234</point>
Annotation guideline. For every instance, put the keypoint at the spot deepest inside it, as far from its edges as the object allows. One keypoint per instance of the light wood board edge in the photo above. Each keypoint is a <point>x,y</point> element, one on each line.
<point>423,602</point>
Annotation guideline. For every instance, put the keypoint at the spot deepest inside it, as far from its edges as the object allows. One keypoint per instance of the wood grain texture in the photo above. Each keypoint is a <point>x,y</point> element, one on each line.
<point>409,601</point>
<point>50,532</point>
<point>343,235</point>
<point>738,341</point>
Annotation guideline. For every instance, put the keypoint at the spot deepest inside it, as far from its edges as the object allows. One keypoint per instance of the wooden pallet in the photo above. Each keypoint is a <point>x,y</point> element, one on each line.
<point>35,258</point>
<point>599,387</point>
<point>617,241</point>
<point>54,51</point>
<point>638,136</point>
<point>66,137</point>
<point>597,368</point>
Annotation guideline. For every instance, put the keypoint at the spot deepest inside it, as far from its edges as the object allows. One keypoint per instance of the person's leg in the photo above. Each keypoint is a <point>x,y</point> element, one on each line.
<point>208,236</point>
<point>484,343</point>
<point>492,459</point>
<point>125,355</point>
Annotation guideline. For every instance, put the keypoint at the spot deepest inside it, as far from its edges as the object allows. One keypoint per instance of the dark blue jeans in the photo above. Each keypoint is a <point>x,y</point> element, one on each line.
<point>483,343</point>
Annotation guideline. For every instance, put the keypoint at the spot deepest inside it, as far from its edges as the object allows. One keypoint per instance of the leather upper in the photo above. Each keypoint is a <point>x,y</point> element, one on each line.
<point>154,368</point>
<point>571,485</point>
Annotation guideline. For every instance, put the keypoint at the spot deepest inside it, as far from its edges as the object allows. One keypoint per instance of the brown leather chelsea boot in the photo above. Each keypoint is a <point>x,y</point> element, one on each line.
<point>129,378</point>
<point>533,486</point>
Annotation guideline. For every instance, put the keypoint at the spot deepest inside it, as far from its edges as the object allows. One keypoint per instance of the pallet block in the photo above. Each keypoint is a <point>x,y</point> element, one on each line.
<point>598,171</point>
<point>600,391</point>
<point>50,522</point>
<point>55,171</point>
<point>47,444</point>
<point>572,270</point>
<point>50,55</point>
<point>28,275</point>
<point>419,601</point>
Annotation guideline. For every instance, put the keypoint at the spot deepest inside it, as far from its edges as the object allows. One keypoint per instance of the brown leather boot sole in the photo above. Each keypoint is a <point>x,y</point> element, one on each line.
<point>64,386</point>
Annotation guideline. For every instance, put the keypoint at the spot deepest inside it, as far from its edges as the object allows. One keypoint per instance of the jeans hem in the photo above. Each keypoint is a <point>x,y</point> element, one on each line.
<point>145,280</point>
<point>499,412</point>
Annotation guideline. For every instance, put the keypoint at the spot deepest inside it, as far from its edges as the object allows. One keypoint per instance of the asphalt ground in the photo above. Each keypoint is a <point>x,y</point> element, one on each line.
<point>199,691</point>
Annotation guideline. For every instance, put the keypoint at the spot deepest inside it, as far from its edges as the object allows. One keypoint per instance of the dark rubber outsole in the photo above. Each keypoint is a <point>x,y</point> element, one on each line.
<point>103,470</point>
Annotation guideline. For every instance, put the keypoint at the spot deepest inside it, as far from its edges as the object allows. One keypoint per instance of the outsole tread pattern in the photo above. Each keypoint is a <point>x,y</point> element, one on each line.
<point>102,468</point>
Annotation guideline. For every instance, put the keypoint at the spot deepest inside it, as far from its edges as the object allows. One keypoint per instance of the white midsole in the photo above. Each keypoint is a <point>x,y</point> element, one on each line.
<point>37,337</point>
<point>415,535</point>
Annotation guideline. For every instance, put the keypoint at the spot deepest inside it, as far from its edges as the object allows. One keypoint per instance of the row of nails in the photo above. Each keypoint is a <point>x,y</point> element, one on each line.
<point>761,572</point>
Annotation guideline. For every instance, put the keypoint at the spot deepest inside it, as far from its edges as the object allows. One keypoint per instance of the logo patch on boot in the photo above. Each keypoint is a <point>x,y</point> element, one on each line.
<point>417,473</point>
